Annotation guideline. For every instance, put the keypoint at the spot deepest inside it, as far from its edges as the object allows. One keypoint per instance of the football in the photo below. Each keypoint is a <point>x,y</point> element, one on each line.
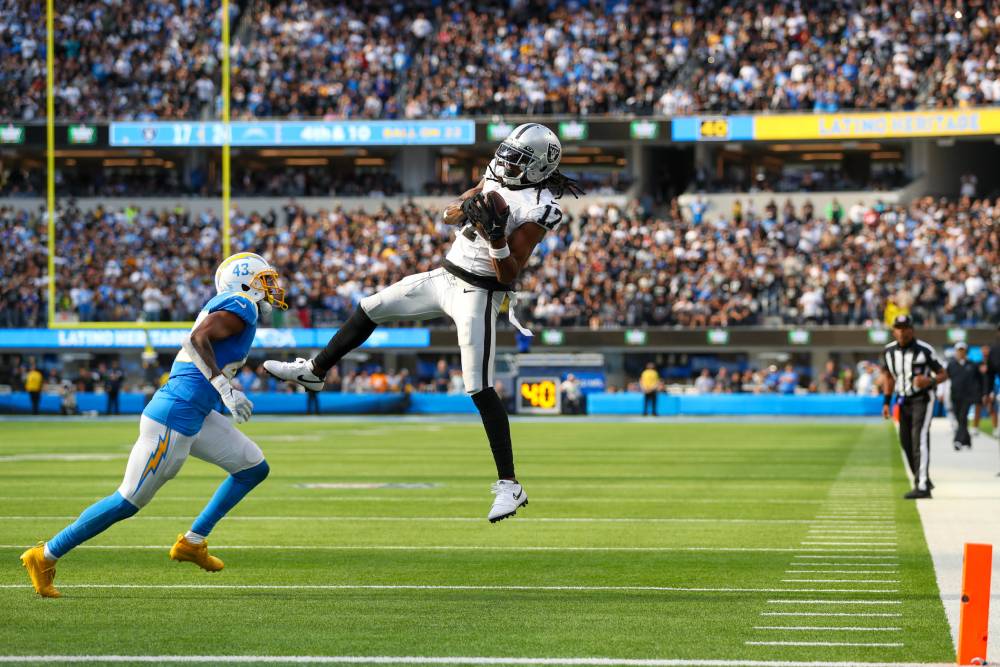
<point>496,201</point>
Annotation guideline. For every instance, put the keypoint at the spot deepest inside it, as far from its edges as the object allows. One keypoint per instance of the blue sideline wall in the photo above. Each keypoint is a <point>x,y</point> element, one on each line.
<point>836,405</point>
<point>329,403</point>
<point>629,403</point>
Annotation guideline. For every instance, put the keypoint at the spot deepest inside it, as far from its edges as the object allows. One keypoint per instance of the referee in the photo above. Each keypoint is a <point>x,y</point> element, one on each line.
<point>910,363</point>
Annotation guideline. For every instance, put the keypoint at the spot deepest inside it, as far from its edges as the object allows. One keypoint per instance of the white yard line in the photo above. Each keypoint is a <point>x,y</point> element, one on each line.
<point>872,557</point>
<point>435,497</point>
<point>444,660</point>
<point>827,628</point>
<point>448,547</point>
<point>854,534</point>
<point>840,581</point>
<point>843,572</point>
<point>455,587</point>
<point>833,564</point>
<point>866,644</point>
<point>835,601</point>
<point>838,543</point>
<point>858,614</point>
<point>362,518</point>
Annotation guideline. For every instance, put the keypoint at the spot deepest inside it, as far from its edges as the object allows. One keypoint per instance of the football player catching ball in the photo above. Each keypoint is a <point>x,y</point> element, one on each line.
<point>499,222</point>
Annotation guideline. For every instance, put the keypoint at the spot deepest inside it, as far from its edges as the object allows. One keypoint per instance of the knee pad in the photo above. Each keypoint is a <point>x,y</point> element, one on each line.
<point>253,476</point>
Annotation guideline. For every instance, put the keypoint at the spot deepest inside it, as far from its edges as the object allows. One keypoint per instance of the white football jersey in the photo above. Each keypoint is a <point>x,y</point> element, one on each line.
<point>471,252</point>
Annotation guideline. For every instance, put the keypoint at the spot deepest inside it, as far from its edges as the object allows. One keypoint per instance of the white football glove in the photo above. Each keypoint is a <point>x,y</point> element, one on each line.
<point>234,399</point>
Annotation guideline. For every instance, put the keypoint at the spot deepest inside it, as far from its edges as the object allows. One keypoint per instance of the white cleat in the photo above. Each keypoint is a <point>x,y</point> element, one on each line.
<point>509,496</point>
<point>299,371</point>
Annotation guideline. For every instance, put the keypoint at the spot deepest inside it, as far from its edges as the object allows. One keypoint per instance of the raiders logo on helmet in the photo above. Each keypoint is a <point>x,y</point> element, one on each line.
<point>553,153</point>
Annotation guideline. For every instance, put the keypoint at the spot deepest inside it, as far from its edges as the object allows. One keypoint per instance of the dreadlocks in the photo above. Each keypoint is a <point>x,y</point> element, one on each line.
<point>559,184</point>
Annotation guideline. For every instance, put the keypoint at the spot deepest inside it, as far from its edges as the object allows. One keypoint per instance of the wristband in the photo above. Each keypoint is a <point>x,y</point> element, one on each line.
<point>886,399</point>
<point>500,253</point>
<point>222,385</point>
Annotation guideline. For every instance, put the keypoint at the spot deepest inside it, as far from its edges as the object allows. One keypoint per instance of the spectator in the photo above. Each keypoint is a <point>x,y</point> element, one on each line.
<point>830,380</point>
<point>456,384</point>
<point>67,393</point>
<point>304,58</point>
<point>152,303</point>
<point>867,384</point>
<point>704,384</point>
<point>649,382</point>
<point>379,381</point>
<point>789,380</point>
<point>33,382</point>
<point>113,381</point>
<point>610,266</point>
<point>442,378</point>
<point>572,395</point>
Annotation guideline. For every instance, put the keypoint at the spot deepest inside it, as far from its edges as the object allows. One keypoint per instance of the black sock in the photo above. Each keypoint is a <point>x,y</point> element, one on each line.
<point>497,430</point>
<point>355,331</point>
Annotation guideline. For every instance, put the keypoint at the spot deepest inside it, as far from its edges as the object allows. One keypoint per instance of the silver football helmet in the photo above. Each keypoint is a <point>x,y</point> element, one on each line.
<point>528,156</point>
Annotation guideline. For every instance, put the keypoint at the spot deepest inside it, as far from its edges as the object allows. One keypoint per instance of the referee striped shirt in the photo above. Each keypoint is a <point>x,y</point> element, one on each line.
<point>906,363</point>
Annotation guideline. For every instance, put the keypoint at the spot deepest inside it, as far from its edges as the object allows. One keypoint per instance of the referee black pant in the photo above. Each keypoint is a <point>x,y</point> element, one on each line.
<point>915,415</point>
<point>960,407</point>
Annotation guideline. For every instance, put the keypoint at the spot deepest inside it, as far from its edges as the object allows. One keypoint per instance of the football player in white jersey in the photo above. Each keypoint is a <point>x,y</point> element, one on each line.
<point>493,243</point>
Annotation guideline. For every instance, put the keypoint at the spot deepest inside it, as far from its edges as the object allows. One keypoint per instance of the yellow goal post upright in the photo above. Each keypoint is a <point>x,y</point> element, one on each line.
<point>50,176</point>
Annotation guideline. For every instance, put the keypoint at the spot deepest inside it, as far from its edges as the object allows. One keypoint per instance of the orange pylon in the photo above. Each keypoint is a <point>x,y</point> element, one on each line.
<point>973,624</point>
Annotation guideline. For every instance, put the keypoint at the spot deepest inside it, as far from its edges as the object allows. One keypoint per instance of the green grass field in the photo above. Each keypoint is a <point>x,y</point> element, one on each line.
<point>660,541</point>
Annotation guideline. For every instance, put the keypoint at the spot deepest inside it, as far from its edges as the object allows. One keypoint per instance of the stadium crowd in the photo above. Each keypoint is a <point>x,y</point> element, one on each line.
<point>113,60</point>
<point>299,58</point>
<point>939,259</point>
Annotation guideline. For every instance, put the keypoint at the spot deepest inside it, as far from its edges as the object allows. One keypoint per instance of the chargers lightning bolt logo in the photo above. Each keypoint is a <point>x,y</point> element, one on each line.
<point>156,458</point>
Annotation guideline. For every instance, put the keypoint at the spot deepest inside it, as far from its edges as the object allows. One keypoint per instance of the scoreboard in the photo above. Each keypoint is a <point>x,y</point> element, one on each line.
<point>538,396</point>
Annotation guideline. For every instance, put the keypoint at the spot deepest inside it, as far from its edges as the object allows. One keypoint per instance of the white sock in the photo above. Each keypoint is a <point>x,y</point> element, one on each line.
<point>48,554</point>
<point>194,538</point>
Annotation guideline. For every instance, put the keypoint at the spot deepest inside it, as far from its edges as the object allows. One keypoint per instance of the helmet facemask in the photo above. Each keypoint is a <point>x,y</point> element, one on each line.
<point>266,282</point>
<point>512,161</point>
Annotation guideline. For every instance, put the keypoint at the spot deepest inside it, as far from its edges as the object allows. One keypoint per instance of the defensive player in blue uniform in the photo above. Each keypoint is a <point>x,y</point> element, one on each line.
<point>181,419</point>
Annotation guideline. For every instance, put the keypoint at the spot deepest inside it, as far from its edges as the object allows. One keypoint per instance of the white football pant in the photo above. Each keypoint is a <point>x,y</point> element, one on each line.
<point>424,296</point>
<point>160,451</point>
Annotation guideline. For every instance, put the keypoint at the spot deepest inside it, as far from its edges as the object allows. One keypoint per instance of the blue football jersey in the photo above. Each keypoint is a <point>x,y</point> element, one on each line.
<point>187,397</point>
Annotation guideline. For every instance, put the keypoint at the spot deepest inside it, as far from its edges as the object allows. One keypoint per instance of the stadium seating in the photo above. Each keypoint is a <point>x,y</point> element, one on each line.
<point>424,59</point>
<point>610,267</point>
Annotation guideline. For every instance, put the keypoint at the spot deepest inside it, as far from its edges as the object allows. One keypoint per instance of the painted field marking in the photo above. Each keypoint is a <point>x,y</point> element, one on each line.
<point>833,564</point>
<point>840,581</point>
<point>450,587</point>
<point>823,515</point>
<point>18,458</point>
<point>867,644</point>
<point>827,628</point>
<point>442,660</point>
<point>453,547</point>
<point>852,520</point>
<point>861,532</point>
<point>872,557</point>
<point>842,572</point>
<point>838,541</point>
<point>851,537</point>
<point>629,520</point>
<point>347,497</point>
<point>858,614</point>
<point>835,601</point>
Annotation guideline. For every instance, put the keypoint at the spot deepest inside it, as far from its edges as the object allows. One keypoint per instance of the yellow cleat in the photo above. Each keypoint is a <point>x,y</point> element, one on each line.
<point>195,553</point>
<point>41,571</point>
